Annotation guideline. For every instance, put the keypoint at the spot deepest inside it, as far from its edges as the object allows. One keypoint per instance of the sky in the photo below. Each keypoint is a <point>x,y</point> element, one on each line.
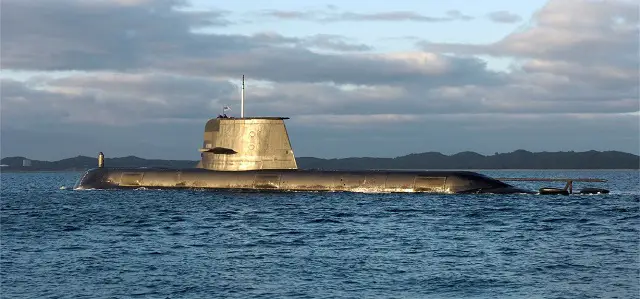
<point>357,78</point>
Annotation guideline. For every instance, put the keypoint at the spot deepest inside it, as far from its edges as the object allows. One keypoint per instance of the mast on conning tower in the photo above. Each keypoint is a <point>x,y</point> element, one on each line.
<point>242,99</point>
<point>246,143</point>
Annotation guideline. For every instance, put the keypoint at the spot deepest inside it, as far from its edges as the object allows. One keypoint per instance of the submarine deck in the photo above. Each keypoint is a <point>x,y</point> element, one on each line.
<point>297,180</point>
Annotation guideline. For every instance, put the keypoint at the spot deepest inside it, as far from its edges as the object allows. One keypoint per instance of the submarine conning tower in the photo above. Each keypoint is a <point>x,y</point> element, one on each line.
<point>247,143</point>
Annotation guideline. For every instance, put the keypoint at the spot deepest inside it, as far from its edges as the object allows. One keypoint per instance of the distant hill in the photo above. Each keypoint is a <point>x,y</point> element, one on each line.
<point>519,159</point>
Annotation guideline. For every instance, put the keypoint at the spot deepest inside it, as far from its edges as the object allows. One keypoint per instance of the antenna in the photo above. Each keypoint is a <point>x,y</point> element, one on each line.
<point>242,100</point>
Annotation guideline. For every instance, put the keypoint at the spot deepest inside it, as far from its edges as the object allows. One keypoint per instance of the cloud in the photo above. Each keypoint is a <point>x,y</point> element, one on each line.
<point>608,29</point>
<point>332,15</point>
<point>302,65</point>
<point>112,99</point>
<point>289,14</point>
<point>396,16</point>
<point>125,99</point>
<point>591,58</point>
<point>106,36</point>
<point>504,16</point>
<point>90,35</point>
<point>150,66</point>
<point>318,41</point>
<point>333,42</point>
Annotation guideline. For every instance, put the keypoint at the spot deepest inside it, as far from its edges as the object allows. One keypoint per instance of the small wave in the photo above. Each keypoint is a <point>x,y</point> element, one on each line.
<point>591,235</point>
<point>289,232</point>
<point>475,214</point>
<point>324,220</point>
<point>131,234</point>
<point>629,217</point>
<point>70,228</point>
<point>625,192</point>
<point>185,290</point>
<point>501,209</point>
<point>342,214</point>
<point>495,222</point>
<point>622,210</point>
<point>294,242</point>
<point>178,219</point>
<point>553,220</point>
<point>342,231</point>
<point>563,266</point>
<point>74,248</point>
<point>398,210</point>
<point>138,294</point>
<point>543,228</point>
<point>459,254</point>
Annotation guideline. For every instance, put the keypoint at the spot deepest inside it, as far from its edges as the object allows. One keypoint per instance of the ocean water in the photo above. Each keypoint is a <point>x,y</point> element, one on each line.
<point>59,243</point>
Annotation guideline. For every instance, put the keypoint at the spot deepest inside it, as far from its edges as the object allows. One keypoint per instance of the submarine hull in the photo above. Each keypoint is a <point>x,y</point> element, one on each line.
<point>456,182</point>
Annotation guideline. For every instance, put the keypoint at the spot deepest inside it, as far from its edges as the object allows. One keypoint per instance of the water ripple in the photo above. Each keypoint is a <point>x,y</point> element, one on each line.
<point>60,243</point>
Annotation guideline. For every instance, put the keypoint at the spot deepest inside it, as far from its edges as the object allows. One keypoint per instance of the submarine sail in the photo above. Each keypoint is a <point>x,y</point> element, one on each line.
<point>254,143</point>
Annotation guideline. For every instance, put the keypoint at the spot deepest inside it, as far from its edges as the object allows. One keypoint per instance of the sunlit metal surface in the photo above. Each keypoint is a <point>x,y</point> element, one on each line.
<point>296,180</point>
<point>237,144</point>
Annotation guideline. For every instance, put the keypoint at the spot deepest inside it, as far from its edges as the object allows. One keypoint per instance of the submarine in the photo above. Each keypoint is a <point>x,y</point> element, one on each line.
<point>255,154</point>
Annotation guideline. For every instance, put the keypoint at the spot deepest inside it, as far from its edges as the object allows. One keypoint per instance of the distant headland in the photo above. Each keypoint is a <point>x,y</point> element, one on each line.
<point>519,159</point>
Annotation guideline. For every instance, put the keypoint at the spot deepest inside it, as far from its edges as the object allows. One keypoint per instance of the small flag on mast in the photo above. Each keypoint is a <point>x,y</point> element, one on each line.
<point>224,108</point>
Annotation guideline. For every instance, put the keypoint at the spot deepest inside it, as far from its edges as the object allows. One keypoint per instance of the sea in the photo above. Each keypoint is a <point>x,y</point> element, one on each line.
<point>57,242</point>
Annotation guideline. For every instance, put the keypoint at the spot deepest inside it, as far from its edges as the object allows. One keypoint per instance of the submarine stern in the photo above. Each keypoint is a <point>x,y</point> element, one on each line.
<point>467,182</point>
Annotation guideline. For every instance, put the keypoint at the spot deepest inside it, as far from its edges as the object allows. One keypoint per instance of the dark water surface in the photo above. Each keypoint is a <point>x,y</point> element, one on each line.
<point>60,243</point>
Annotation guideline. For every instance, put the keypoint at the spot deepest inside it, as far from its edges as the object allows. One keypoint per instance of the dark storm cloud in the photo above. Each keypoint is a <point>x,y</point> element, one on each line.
<point>332,15</point>
<point>504,16</point>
